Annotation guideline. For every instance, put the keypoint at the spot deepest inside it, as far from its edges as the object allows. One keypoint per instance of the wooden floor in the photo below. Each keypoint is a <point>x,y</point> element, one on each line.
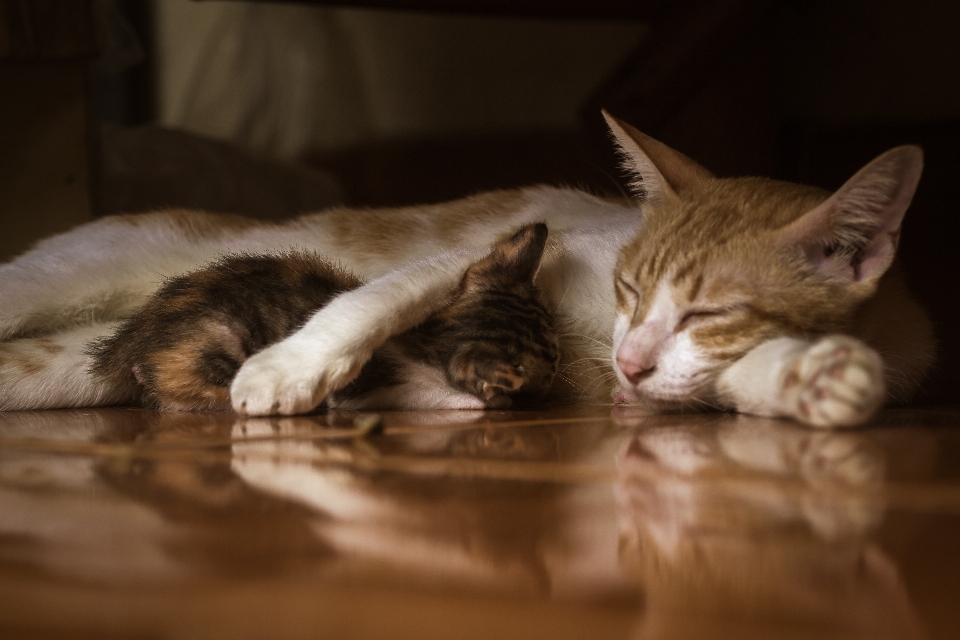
<point>577,523</point>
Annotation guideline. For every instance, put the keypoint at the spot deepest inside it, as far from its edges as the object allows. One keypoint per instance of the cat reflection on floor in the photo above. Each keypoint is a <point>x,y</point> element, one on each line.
<point>752,519</point>
<point>447,507</point>
<point>201,497</point>
<point>727,517</point>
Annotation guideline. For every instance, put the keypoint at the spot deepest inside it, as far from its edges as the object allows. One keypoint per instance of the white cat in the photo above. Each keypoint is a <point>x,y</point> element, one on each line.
<point>746,294</point>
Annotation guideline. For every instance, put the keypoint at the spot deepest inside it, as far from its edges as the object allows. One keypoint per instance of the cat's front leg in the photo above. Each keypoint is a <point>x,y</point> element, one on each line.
<point>836,381</point>
<point>296,374</point>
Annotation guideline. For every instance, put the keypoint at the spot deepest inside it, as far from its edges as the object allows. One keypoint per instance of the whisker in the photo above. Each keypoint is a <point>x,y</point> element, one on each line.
<point>595,384</point>
<point>570,381</point>
<point>602,342</point>
<point>602,361</point>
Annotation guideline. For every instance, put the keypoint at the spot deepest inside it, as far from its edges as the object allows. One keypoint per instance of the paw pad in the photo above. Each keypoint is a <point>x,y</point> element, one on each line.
<point>837,382</point>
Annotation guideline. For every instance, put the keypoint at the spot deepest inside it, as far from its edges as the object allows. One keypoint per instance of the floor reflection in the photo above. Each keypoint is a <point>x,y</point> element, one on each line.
<point>681,526</point>
<point>748,520</point>
<point>455,525</point>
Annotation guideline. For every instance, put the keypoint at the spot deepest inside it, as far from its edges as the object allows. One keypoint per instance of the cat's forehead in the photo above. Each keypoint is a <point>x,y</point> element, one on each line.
<point>730,207</point>
<point>727,219</point>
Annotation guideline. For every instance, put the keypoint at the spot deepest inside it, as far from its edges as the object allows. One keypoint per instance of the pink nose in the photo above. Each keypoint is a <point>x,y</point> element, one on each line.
<point>635,369</point>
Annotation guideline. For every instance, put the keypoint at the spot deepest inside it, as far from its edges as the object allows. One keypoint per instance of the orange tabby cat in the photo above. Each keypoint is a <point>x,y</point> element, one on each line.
<point>737,292</point>
<point>734,293</point>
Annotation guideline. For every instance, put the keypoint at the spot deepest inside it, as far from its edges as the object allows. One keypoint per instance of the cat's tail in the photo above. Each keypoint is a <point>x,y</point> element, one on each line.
<point>54,371</point>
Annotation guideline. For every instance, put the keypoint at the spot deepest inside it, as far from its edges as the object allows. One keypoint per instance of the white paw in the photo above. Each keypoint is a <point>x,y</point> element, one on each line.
<point>837,382</point>
<point>290,378</point>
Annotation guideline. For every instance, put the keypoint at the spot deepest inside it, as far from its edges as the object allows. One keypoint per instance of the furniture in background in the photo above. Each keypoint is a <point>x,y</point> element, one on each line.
<point>47,146</point>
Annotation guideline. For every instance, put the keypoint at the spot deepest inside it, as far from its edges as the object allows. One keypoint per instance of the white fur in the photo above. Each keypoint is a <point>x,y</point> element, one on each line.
<point>682,368</point>
<point>836,381</point>
<point>424,388</point>
<point>63,381</point>
<point>755,383</point>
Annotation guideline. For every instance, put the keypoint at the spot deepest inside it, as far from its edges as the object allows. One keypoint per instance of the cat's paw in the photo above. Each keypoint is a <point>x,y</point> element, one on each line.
<point>494,380</point>
<point>287,378</point>
<point>836,382</point>
<point>498,383</point>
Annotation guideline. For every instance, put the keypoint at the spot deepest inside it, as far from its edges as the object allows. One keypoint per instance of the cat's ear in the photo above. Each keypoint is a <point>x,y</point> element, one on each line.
<point>660,172</point>
<point>511,261</point>
<point>854,234</point>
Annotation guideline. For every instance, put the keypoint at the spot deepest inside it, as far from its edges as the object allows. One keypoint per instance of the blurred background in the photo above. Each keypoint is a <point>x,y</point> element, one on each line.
<point>276,108</point>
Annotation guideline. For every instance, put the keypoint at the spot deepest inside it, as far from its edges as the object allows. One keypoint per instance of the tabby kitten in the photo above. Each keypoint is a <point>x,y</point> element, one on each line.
<point>493,343</point>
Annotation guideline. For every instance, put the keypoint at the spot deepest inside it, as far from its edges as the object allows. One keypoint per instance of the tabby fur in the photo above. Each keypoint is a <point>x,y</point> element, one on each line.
<point>492,344</point>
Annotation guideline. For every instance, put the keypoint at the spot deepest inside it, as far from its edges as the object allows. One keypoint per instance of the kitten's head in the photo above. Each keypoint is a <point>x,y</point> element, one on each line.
<point>497,340</point>
<point>722,264</point>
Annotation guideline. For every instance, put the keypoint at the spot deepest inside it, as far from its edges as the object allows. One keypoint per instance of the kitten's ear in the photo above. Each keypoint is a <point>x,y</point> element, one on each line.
<point>511,261</point>
<point>854,234</point>
<point>660,171</point>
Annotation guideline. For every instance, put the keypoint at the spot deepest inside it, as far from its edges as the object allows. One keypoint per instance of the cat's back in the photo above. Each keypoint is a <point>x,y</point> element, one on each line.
<point>124,257</point>
<point>375,241</point>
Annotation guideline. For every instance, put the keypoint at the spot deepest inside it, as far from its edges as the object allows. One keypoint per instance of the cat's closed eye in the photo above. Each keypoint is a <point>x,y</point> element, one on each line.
<point>628,289</point>
<point>696,315</point>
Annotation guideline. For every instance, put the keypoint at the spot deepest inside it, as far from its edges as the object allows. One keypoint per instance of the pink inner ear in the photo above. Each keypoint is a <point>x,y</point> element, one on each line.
<point>812,234</point>
<point>876,257</point>
<point>862,218</point>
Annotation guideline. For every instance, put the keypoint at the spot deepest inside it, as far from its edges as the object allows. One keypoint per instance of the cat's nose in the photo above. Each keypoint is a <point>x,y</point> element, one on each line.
<point>634,371</point>
<point>639,351</point>
<point>635,367</point>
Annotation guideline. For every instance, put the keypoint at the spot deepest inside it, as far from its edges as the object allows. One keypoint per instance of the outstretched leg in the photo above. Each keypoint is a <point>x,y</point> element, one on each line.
<point>836,381</point>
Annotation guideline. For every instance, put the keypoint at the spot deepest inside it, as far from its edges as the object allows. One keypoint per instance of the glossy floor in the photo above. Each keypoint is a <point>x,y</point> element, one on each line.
<point>583,523</point>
